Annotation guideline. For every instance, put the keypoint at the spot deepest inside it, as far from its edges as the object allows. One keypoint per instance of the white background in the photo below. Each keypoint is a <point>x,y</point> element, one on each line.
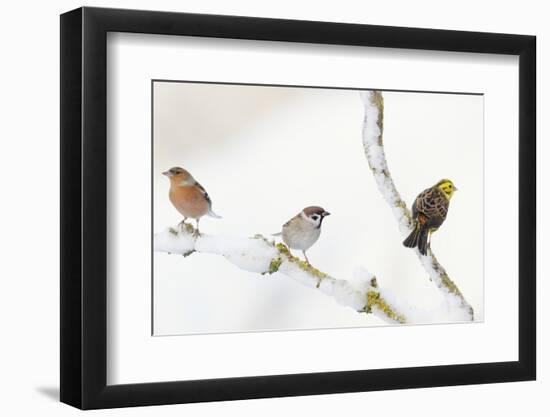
<point>29,215</point>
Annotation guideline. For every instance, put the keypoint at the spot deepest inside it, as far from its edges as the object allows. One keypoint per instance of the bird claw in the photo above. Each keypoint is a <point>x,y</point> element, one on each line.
<point>196,233</point>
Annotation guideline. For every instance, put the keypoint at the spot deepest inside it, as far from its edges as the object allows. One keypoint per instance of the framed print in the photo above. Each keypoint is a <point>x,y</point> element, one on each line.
<point>257,207</point>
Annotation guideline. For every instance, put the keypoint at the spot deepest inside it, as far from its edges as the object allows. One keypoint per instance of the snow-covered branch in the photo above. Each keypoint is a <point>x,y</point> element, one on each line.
<point>374,151</point>
<point>259,255</point>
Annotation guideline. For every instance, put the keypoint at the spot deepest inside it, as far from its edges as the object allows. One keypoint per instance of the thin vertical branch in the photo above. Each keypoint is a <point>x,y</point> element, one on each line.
<point>373,128</point>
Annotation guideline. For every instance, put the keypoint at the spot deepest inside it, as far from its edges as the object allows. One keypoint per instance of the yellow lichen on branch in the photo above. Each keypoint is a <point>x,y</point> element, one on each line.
<point>285,251</point>
<point>374,300</point>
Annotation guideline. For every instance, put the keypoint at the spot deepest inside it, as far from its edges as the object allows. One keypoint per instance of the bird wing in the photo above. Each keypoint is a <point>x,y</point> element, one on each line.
<point>288,223</point>
<point>431,207</point>
<point>204,193</point>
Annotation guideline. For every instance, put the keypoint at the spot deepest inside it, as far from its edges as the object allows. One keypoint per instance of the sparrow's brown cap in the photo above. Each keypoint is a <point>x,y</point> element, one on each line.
<point>308,211</point>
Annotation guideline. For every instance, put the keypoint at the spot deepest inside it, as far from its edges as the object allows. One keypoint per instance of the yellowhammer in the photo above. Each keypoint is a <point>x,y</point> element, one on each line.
<point>429,212</point>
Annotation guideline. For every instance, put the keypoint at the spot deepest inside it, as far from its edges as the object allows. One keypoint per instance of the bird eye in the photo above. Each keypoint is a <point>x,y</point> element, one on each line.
<point>315,217</point>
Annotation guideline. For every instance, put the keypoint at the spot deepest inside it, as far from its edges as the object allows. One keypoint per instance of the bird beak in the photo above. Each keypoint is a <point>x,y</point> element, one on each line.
<point>167,173</point>
<point>456,189</point>
<point>326,213</point>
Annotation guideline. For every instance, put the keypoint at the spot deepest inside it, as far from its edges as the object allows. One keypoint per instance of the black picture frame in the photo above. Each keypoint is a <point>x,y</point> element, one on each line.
<point>84,207</point>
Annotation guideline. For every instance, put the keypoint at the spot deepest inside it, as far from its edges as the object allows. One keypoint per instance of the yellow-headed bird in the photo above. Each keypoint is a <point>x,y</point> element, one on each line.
<point>429,212</point>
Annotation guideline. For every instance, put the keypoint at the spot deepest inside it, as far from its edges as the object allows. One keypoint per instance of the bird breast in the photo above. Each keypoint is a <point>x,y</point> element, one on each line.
<point>189,201</point>
<point>300,235</point>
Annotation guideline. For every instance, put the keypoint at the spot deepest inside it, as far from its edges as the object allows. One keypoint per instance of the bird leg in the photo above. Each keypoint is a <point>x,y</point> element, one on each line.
<point>197,233</point>
<point>305,256</point>
<point>182,223</point>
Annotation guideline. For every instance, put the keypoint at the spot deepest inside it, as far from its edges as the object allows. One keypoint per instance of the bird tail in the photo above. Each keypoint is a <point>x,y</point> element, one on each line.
<point>212,214</point>
<point>418,238</point>
<point>423,241</point>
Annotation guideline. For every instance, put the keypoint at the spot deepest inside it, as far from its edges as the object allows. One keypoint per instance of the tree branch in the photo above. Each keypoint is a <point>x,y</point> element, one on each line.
<point>259,255</point>
<point>373,126</point>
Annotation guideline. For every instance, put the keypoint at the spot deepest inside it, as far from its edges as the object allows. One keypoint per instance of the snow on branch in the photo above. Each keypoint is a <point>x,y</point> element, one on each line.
<point>373,126</point>
<point>259,255</point>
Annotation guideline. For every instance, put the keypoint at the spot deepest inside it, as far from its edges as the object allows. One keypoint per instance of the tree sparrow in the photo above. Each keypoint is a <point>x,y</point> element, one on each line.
<point>303,230</point>
<point>188,196</point>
